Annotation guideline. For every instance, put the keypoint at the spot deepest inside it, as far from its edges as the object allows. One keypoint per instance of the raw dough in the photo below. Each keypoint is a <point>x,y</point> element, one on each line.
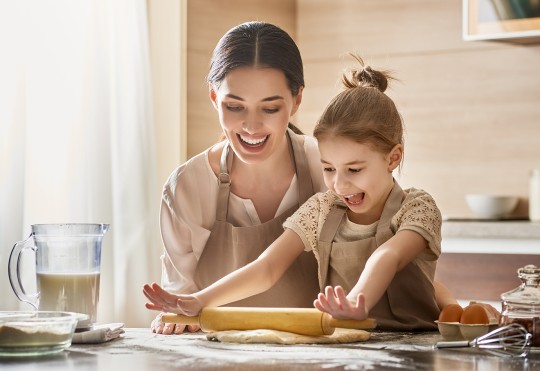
<point>340,336</point>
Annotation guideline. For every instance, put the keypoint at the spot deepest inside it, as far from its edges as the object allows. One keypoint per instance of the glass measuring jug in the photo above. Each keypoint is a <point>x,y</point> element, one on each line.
<point>68,260</point>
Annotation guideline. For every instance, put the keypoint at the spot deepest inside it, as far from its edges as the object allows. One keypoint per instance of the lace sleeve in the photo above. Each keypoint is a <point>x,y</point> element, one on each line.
<point>420,213</point>
<point>307,221</point>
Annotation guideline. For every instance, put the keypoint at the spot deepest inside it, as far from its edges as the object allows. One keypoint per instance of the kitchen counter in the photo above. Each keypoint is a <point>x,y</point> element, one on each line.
<point>139,349</point>
<point>471,236</point>
<point>475,228</point>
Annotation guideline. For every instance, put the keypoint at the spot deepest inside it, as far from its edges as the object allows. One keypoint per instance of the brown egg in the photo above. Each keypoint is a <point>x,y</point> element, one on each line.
<point>474,314</point>
<point>451,313</point>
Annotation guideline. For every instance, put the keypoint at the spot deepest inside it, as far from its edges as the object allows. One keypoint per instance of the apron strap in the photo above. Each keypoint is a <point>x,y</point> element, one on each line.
<point>393,203</point>
<point>300,161</point>
<point>224,183</point>
<point>329,230</point>
<point>331,225</point>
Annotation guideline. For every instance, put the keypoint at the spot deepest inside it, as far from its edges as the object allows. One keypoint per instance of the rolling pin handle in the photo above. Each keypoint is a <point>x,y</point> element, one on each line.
<point>180,319</point>
<point>365,324</point>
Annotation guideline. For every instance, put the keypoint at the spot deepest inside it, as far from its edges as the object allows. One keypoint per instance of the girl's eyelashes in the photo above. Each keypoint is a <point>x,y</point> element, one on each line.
<point>351,170</point>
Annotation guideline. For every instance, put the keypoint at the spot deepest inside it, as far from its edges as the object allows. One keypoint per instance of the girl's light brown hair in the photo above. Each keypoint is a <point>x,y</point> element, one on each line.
<point>362,112</point>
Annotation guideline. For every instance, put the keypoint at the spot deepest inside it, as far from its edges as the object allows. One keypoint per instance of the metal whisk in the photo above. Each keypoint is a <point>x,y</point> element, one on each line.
<point>511,340</point>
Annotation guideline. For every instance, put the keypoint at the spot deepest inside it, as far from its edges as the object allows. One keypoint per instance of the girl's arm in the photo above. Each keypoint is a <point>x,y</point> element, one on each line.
<point>247,281</point>
<point>443,295</point>
<point>377,275</point>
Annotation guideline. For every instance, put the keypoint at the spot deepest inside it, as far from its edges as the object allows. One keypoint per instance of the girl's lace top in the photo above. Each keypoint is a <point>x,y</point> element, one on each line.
<point>418,212</point>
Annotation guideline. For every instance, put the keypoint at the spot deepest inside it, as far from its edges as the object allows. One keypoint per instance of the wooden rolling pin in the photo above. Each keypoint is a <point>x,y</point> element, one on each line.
<point>304,321</point>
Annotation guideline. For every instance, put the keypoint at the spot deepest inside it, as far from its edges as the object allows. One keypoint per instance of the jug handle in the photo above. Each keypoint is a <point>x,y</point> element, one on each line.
<point>14,271</point>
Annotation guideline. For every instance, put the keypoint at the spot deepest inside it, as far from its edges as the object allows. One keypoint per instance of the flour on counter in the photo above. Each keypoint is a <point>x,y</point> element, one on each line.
<point>194,350</point>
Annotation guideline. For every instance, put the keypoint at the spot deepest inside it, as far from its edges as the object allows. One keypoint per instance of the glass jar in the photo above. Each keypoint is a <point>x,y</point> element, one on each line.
<point>522,305</point>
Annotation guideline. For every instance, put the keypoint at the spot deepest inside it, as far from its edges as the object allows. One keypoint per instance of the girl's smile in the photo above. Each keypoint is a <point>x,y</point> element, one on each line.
<point>354,199</point>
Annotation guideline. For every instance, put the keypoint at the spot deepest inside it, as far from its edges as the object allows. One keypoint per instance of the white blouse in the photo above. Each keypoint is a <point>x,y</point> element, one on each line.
<point>188,212</point>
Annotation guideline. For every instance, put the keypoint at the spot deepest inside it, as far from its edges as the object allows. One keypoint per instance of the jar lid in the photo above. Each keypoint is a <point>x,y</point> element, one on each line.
<point>529,290</point>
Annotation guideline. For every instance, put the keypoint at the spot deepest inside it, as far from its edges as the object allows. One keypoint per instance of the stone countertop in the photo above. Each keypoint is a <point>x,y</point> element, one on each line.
<point>493,229</point>
<point>139,349</point>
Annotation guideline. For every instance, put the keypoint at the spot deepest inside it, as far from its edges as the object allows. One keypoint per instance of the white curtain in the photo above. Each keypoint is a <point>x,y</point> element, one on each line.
<point>77,139</point>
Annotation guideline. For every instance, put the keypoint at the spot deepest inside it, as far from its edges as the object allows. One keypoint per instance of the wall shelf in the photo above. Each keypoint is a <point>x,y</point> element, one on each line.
<point>516,21</point>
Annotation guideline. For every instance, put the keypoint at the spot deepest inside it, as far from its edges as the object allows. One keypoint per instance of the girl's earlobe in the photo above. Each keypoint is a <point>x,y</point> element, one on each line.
<point>396,154</point>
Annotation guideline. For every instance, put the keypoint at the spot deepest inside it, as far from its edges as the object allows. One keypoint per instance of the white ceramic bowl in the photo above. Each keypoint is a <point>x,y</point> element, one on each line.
<point>490,206</point>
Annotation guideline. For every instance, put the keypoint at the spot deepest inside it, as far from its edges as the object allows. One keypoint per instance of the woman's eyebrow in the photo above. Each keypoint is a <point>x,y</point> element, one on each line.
<point>268,99</point>
<point>274,97</point>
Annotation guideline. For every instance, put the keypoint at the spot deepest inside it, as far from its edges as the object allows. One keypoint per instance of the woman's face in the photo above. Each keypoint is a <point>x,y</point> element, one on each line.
<point>254,107</point>
<point>358,175</point>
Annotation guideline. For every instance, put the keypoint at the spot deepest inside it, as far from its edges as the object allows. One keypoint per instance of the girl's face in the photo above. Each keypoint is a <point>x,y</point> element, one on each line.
<point>359,175</point>
<point>254,107</point>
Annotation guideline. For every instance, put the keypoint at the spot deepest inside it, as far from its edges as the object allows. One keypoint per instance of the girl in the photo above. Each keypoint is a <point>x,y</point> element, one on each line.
<point>376,245</point>
<point>222,208</point>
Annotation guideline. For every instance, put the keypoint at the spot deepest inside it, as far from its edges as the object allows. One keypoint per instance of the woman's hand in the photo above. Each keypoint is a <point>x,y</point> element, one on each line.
<point>335,303</point>
<point>159,327</point>
<point>164,301</point>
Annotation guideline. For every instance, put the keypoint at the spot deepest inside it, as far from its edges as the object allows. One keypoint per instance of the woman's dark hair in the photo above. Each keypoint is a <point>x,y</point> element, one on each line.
<point>258,44</point>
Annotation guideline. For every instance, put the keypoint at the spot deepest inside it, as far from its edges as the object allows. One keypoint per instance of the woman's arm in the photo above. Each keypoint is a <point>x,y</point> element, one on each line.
<point>247,281</point>
<point>377,275</point>
<point>178,261</point>
<point>184,226</point>
<point>186,217</point>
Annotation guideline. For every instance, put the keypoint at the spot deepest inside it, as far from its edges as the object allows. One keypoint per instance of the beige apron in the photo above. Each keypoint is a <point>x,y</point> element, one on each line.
<point>229,248</point>
<point>409,302</point>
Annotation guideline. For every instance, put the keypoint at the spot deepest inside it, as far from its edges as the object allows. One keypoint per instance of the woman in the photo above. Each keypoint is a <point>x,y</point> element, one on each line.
<point>221,209</point>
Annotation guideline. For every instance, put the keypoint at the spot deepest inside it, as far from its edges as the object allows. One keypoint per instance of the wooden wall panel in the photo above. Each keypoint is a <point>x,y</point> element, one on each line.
<point>208,20</point>
<point>471,109</point>
<point>482,277</point>
<point>165,41</point>
<point>327,29</point>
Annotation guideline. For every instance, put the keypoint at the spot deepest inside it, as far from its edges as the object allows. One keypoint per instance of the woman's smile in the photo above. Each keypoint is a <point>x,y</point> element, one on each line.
<point>252,142</point>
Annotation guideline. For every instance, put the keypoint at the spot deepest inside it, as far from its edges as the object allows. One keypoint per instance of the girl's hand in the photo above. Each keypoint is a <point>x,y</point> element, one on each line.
<point>493,314</point>
<point>159,327</point>
<point>164,301</point>
<point>335,303</point>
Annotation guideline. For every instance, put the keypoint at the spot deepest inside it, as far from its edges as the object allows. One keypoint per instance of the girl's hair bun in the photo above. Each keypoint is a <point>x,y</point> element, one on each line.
<point>366,77</point>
